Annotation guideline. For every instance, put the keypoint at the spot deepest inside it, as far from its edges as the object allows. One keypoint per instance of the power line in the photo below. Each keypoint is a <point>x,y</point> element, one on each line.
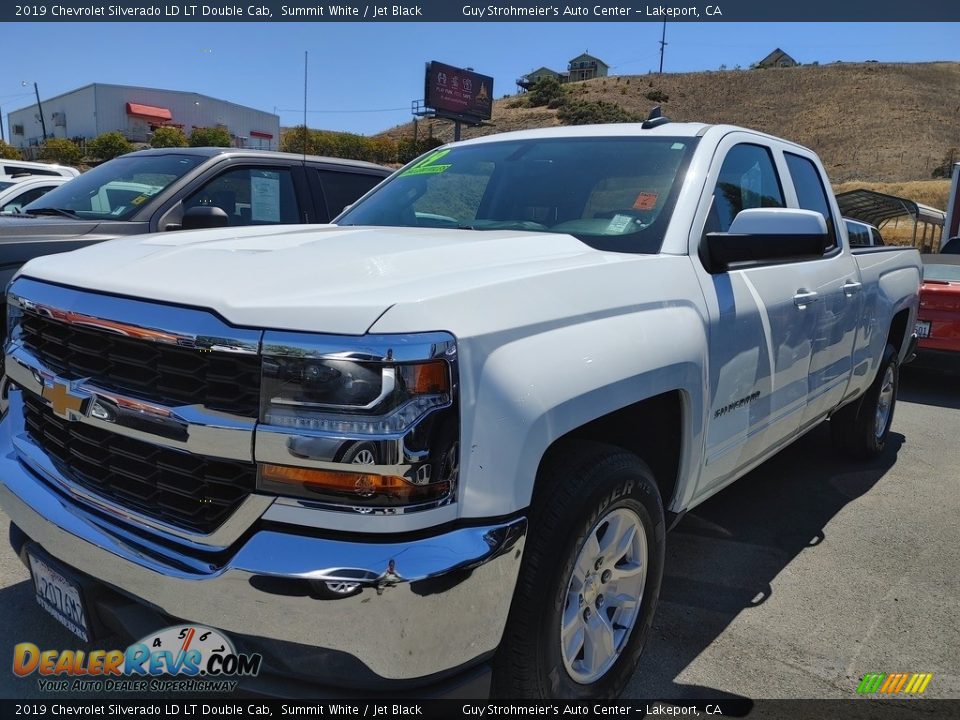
<point>345,111</point>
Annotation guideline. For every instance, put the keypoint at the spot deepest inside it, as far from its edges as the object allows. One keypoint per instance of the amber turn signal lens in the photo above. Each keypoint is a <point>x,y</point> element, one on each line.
<point>429,378</point>
<point>310,481</point>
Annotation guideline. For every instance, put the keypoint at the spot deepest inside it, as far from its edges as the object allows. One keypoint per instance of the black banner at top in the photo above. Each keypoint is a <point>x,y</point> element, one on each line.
<point>620,11</point>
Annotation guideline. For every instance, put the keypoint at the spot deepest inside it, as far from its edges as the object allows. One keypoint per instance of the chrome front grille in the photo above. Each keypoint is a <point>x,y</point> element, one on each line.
<point>162,372</point>
<point>186,490</point>
<point>141,410</point>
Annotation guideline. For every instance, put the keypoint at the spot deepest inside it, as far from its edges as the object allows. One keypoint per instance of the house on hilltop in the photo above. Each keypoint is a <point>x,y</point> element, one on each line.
<point>582,67</point>
<point>586,67</point>
<point>778,58</point>
<point>535,76</point>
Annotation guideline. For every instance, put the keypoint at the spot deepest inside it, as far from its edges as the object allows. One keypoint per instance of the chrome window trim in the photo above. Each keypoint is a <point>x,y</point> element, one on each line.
<point>141,319</point>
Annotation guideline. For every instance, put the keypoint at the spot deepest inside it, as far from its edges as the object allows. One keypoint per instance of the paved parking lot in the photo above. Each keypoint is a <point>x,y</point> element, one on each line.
<point>794,582</point>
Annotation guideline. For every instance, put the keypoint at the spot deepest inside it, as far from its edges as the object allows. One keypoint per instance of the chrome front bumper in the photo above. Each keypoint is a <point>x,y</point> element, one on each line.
<point>420,607</point>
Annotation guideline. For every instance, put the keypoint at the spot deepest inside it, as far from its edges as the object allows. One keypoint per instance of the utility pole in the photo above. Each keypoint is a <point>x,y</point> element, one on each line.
<point>43,123</point>
<point>2,138</point>
<point>663,44</point>
<point>305,134</point>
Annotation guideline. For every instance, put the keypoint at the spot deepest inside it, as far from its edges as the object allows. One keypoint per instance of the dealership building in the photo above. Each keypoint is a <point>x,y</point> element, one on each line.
<point>136,112</point>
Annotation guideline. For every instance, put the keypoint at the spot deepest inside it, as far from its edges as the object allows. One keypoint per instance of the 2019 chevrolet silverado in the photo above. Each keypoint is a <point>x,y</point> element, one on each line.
<point>438,444</point>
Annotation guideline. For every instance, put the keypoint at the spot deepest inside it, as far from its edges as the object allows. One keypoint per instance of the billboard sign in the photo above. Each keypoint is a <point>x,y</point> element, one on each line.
<point>458,93</point>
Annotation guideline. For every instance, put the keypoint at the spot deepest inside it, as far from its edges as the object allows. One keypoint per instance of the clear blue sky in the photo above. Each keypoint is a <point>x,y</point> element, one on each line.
<point>356,68</point>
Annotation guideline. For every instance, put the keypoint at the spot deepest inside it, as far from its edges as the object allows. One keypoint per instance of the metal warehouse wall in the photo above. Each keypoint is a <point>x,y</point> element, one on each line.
<point>101,108</point>
<point>75,109</point>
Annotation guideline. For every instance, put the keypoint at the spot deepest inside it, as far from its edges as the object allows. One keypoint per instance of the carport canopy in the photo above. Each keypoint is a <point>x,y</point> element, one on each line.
<point>879,208</point>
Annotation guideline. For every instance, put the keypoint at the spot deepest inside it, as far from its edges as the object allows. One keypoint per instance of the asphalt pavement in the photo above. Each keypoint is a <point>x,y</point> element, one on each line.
<point>793,583</point>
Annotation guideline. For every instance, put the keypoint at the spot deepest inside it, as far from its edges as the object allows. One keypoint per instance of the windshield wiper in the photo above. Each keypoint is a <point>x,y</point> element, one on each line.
<point>52,211</point>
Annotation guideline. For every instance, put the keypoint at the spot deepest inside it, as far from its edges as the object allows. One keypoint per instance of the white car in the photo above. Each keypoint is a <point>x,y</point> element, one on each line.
<point>10,169</point>
<point>14,194</point>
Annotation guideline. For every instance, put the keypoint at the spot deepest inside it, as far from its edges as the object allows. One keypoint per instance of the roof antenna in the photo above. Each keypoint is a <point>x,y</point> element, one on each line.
<point>656,118</point>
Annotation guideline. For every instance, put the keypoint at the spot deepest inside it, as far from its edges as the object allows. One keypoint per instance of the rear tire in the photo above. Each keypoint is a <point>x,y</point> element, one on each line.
<point>590,578</point>
<point>860,429</point>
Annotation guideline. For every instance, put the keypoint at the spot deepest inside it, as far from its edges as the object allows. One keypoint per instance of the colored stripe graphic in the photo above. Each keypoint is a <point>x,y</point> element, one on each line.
<point>894,683</point>
<point>871,683</point>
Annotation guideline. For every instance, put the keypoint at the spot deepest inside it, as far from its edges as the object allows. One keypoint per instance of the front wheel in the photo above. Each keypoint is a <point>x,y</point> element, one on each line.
<point>860,429</point>
<point>590,579</point>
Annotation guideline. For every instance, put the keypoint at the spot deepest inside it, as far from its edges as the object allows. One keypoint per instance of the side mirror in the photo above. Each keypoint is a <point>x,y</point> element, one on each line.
<point>204,216</point>
<point>764,235</point>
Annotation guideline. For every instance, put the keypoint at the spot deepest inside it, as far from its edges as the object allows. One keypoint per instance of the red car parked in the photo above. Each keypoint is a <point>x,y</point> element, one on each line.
<point>938,321</point>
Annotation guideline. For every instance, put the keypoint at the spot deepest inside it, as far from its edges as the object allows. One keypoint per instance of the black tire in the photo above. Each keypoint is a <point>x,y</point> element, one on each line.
<point>580,486</point>
<point>855,428</point>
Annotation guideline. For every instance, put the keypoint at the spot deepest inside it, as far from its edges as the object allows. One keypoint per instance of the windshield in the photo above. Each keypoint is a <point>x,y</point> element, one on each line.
<point>118,188</point>
<point>943,273</point>
<point>613,193</point>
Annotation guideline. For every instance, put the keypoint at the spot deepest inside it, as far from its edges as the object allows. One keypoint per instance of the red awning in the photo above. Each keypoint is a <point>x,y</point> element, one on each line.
<point>260,134</point>
<point>149,111</point>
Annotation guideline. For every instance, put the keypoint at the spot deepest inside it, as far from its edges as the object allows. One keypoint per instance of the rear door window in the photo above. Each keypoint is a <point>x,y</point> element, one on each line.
<point>342,188</point>
<point>811,195</point>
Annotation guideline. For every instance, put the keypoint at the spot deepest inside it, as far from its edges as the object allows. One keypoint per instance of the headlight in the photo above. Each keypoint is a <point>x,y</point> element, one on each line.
<point>357,394</point>
<point>368,422</point>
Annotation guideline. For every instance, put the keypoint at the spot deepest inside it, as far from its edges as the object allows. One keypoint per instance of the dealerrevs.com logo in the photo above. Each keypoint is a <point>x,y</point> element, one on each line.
<point>185,658</point>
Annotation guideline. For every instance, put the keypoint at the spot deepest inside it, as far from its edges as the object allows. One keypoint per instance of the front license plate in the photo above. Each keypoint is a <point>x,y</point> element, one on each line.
<point>59,595</point>
<point>922,329</point>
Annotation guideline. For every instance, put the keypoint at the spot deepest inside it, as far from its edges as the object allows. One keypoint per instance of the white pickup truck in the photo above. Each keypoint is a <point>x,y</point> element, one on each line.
<point>436,446</point>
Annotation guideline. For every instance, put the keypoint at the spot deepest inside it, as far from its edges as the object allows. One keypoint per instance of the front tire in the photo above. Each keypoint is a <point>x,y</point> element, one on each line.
<point>590,579</point>
<point>860,429</point>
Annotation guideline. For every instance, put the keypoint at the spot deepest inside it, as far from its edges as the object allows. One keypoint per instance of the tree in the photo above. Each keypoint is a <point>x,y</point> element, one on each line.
<point>588,112</point>
<point>544,90</point>
<point>945,168</point>
<point>61,151</point>
<point>210,137</point>
<point>296,140</point>
<point>8,151</point>
<point>168,136</point>
<point>109,145</point>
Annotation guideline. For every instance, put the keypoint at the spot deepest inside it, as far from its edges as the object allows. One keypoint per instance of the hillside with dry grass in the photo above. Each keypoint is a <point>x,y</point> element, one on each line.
<point>873,122</point>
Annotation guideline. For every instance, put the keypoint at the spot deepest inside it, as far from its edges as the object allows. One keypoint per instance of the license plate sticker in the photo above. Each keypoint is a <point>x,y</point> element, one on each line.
<point>59,596</point>
<point>922,329</point>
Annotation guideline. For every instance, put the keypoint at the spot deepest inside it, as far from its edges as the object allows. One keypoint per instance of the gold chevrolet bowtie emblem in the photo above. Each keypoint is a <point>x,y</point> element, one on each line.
<point>62,400</point>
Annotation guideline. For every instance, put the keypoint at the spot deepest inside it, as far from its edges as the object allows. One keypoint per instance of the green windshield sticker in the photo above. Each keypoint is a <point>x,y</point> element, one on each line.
<point>427,166</point>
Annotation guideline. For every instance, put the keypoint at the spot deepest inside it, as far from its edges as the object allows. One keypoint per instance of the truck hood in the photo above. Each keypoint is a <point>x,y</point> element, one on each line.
<point>311,278</point>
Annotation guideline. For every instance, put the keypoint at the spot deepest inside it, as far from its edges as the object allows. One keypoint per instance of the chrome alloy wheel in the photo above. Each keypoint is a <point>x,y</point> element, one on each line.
<point>342,588</point>
<point>364,457</point>
<point>603,595</point>
<point>884,403</point>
